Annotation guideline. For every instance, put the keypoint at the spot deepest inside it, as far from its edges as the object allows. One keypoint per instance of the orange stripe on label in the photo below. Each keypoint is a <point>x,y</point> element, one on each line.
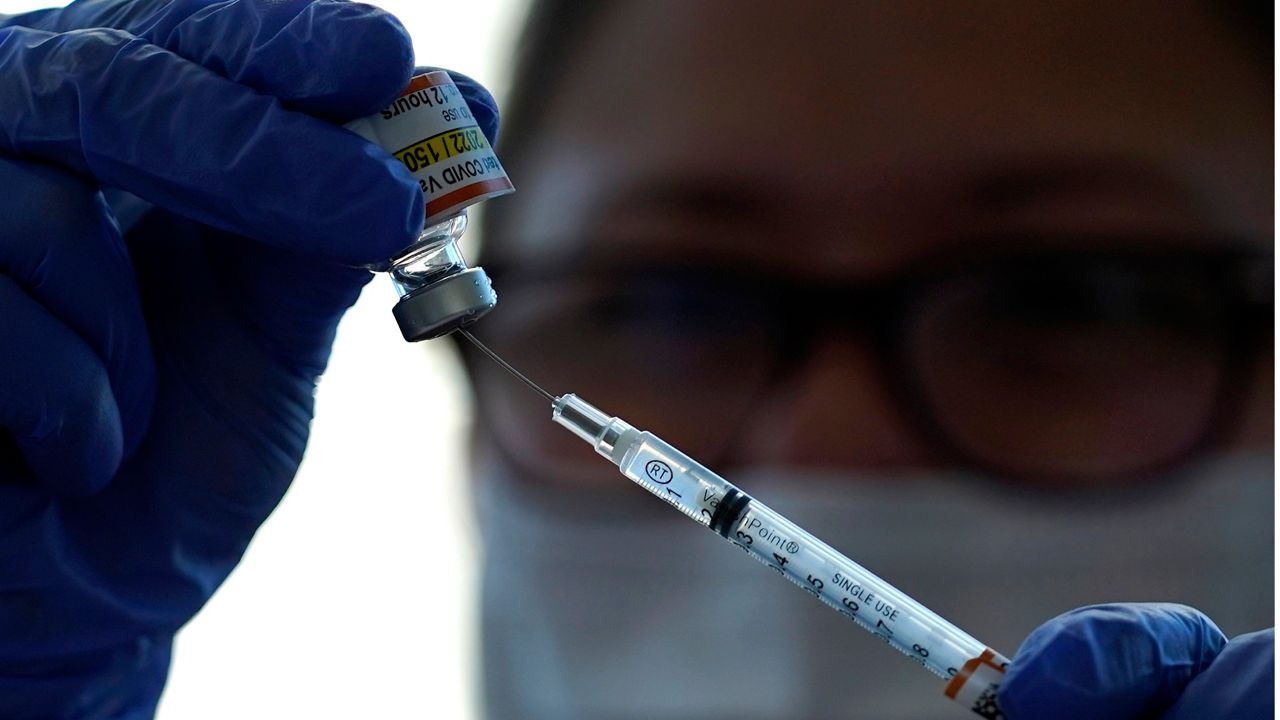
<point>987,657</point>
<point>426,80</point>
<point>463,194</point>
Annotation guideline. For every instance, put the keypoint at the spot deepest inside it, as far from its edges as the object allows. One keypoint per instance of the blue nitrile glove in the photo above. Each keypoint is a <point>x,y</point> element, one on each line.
<point>1140,662</point>
<point>160,342</point>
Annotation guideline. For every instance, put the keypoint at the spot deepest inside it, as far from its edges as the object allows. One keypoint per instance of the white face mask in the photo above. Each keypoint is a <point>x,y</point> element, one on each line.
<point>595,611</point>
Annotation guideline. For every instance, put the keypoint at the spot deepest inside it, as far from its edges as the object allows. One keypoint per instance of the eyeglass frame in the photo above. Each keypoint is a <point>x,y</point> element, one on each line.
<point>1241,277</point>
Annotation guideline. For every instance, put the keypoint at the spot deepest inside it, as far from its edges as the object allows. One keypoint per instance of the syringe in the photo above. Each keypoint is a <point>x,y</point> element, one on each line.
<point>973,671</point>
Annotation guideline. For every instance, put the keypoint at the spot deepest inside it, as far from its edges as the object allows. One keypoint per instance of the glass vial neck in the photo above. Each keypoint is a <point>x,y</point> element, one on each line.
<point>435,255</point>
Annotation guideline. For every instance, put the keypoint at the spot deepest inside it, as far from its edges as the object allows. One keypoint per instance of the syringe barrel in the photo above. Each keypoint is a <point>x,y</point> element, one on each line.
<point>973,670</point>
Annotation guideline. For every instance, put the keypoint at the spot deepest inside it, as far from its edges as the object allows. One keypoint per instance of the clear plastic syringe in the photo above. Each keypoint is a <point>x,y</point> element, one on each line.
<point>973,671</point>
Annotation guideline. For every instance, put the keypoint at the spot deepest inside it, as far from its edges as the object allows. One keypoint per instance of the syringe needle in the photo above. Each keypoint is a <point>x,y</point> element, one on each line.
<point>506,366</point>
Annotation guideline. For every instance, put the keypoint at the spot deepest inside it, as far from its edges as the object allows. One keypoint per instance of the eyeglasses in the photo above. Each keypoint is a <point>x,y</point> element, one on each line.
<point>1055,365</point>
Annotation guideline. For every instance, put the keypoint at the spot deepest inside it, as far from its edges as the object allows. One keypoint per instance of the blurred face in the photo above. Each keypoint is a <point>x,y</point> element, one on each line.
<point>892,236</point>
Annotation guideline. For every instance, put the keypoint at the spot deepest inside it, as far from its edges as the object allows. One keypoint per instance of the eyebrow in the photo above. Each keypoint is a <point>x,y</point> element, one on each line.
<point>707,196</point>
<point>1009,186</point>
<point>1001,187</point>
<point>996,188</point>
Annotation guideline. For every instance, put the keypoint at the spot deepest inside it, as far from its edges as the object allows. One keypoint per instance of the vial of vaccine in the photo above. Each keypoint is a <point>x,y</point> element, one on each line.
<point>430,129</point>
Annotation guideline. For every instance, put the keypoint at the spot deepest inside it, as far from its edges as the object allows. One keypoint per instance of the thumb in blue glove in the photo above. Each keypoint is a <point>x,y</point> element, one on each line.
<point>1139,661</point>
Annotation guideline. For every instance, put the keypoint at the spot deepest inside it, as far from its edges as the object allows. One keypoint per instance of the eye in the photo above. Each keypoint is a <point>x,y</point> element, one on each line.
<point>1076,297</point>
<point>1073,366</point>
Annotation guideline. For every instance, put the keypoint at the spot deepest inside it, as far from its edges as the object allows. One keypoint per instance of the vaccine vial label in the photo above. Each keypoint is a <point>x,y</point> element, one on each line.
<point>430,129</point>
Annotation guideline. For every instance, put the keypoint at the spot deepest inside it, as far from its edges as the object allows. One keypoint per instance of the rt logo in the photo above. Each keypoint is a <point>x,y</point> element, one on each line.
<point>658,471</point>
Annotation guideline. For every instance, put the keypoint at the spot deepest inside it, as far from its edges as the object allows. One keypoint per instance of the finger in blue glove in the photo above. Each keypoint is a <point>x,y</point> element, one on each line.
<point>111,106</point>
<point>77,379</point>
<point>1238,685</point>
<point>1109,662</point>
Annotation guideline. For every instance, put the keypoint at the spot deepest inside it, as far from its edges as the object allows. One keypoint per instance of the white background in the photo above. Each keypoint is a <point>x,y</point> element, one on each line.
<point>356,597</point>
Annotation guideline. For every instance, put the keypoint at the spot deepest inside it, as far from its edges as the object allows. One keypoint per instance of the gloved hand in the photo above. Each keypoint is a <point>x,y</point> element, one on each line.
<point>1140,661</point>
<point>160,341</point>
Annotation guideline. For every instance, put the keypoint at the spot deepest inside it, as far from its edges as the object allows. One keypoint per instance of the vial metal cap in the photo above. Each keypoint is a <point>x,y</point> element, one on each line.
<point>446,305</point>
